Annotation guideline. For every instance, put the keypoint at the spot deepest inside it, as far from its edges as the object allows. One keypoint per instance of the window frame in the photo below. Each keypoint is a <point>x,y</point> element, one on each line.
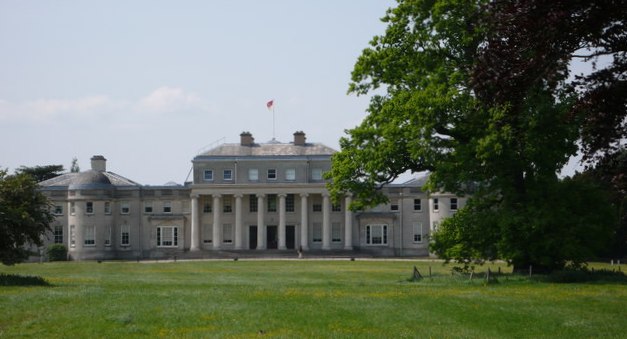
<point>227,233</point>
<point>316,232</point>
<point>57,210</point>
<point>89,230</point>
<point>271,174</point>
<point>89,207</point>
<point>253,205</point>
<point>290,174</point>
<point>418,231</point>
<point>107,207</point>
<point>436,205</point>
<point>290,203</point>
<point>172,241</point>
<point>167,207</point>
<point>454,204</point>
<point>57,233</point>
<point>316,174</point>
<point>125,207</point>
<point>108,236</point>
<point>227,205</point>
<point>272,203</point>
<point>125,235</point>
<point>230,175</point>
<point>252,177</point>
<point>207,175</point>
<point>417,203</point>
<point>370,231</point>
<point>336,232</point>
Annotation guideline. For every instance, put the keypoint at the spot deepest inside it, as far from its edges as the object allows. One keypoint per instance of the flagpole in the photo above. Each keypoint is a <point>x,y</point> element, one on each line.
<point>273,124</point>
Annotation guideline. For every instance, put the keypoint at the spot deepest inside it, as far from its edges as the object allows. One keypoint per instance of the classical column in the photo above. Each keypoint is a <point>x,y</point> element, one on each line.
<point>238,221</point>
<point>348,223</point>
<point>326,221</point>
<point>304,221</point>
<point>195,245</point>
<point>217,221</point>
<point>282,221</point>
<point>261,227</point>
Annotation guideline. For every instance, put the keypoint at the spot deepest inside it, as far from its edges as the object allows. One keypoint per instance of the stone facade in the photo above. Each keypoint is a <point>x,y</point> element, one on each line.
<point>243,198</point>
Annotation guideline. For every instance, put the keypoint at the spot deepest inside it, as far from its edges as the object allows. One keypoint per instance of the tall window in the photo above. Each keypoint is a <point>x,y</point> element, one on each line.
<point>418,232</point>
<point>227,175</point>
<point>317,232</point>
<point>58,234</point>
<point>290,174</point>
<point>207,175</point>
<point>289,203</point>
<point>417,205</point>
<point>227,205</point>
<point>89,207</point>
<point>252,203</point>
<point>253,174</point>
<point>272,174</point>
<point>206,206</point>
<point>453,204</point>
<point>125,235</point>
<point>207,233</point>
<point>376,234</point>
<point>58,210</point>
<point>394,206</point>
<point>227,233</point>
<point>72,208</point>
<point>89,235</point>
<point>147,206</point>
<point>167,207</point>
<point>167,236</point>
<point>336,232</point>
<point>316,174</point>
<point>271,202</point>
<point>125,207</point>
<point>336,208</point>
<point>436,205</point>
<point>107,207</point>
<point>72,236</point>
<point>108,232</point>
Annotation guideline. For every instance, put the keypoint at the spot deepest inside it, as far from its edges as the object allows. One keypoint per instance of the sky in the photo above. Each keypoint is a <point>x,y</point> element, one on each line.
<point>150,84</point>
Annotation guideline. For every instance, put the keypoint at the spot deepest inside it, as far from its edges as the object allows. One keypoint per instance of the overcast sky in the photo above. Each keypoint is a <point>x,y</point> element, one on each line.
<point>148,84</point>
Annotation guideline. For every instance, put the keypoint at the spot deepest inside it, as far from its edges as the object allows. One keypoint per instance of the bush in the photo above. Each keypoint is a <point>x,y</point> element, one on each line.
<point>22,280</point>
<point>57,252</point>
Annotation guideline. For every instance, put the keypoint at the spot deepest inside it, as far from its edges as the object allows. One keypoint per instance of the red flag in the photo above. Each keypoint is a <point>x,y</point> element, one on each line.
<point>270,104</point>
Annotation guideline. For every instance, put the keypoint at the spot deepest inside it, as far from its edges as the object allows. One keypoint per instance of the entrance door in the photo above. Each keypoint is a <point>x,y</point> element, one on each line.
<point>252,237</point>
<point>273,237</point>
<point>290,236</point>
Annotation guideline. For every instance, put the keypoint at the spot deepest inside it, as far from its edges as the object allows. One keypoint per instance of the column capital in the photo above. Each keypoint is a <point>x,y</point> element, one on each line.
<point>238,195</point>
<point>325,194</point>
<point>304,195</point>
<point>216,195</point>
<point>260,195</point>
<point>194,195</point>
<point>282,195</point>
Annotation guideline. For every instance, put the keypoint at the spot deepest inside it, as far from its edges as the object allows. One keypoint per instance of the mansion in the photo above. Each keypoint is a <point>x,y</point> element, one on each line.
<point>246,198</point>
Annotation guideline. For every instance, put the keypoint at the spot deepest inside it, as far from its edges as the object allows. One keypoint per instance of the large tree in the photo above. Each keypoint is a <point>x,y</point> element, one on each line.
<point>429,117</point>
<point>24,216</point>
<point>41,173</point>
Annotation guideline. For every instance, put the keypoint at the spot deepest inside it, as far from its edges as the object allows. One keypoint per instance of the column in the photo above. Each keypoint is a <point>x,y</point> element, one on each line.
<point>326,221</point>
<point>348,223</point>
<point>195,245</point>
<point>304,221</point>
<point>282,221</point>
<point>261,227</point>
<point>217,221</point>
<point>238,221</point>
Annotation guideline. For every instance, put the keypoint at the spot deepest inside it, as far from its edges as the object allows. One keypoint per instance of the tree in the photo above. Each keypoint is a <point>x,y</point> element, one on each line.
<point>74,167</point>
<point>24,216</point>
<point>506,153</point>
<point>41,173</point>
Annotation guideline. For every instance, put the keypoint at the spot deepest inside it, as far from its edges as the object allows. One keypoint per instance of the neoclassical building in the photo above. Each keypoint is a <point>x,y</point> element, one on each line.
<point>245,198</point>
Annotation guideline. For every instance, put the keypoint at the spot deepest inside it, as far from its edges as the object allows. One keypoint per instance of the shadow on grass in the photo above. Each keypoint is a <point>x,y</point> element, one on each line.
<point>584,276</point>
<point>22,280</point>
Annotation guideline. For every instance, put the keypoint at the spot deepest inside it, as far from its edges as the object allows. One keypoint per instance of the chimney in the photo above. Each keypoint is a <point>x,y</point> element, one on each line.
<point>246,139</point>
<point>299,138</point>
<point>99,163</point>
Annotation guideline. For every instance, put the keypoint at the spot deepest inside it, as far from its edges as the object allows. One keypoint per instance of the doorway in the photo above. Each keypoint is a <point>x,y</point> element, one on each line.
<point>272,237</point>
<point>290,237</point>
<point>252,237</point>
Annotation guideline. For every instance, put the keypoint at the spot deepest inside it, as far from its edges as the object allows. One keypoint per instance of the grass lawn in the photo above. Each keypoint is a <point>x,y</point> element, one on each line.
<point>307,298</point>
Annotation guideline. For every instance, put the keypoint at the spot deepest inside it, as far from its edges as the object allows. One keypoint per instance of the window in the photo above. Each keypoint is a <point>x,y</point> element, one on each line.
<point>227,205</point>
<point>208,175</point>
<point>336,208</point>
<point>206,206</point>
<point>89,235</point>
<point>436,205</point>
<point>317,232</point>
<point>167,236</point>
<point>418,232</point>
<point>107,207</point>
<point>394,206</point>
<point>227,175</point>
<point>417,205</point>
<point>316,174</point>
<point>72,208</point>
<point>317,205</point>
<point>89,207</point>
<point>58,210</point>
<point>376,234</point>
<point>125,207</point>
<point>271,202</point>
<point>336,232</point>
<point>107,241</point>
<point>72,236</point>
<point>125,235</point>
<point>167,207</point>
<point>289,203</point>
<point>290,174</point>
<point>453,204</point>
<point>272,174</point>
<point>58,234</point>
<point>253,174</point>
<point>252,203</point>
<point>227,233</point>
<point>207,233</point>
<point>148,207</point>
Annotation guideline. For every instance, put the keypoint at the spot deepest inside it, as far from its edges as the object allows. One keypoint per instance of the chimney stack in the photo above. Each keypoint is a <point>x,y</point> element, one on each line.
<point>99,163</point>
<point>299,138</point>
<point>246,139</point>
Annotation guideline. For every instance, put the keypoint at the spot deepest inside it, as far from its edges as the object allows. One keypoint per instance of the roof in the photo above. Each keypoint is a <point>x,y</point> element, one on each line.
<point>90,179</point>
<point>268,149</point>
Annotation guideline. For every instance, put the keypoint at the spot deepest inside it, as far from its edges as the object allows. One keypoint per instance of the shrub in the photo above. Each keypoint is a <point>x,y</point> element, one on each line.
<point>22,280</point>
<point>57,252</point>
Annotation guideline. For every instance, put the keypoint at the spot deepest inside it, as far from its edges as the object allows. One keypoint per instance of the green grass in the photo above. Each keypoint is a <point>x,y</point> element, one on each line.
<point>241,299</point>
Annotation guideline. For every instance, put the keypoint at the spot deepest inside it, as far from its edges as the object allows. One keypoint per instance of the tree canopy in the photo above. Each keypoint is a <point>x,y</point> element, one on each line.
<point>24,216</point>
<point>41,173</point>
<point>431,110</point>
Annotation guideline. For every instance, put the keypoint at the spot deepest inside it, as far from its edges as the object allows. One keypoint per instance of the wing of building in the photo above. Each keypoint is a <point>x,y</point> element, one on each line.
<point>245,198</point>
